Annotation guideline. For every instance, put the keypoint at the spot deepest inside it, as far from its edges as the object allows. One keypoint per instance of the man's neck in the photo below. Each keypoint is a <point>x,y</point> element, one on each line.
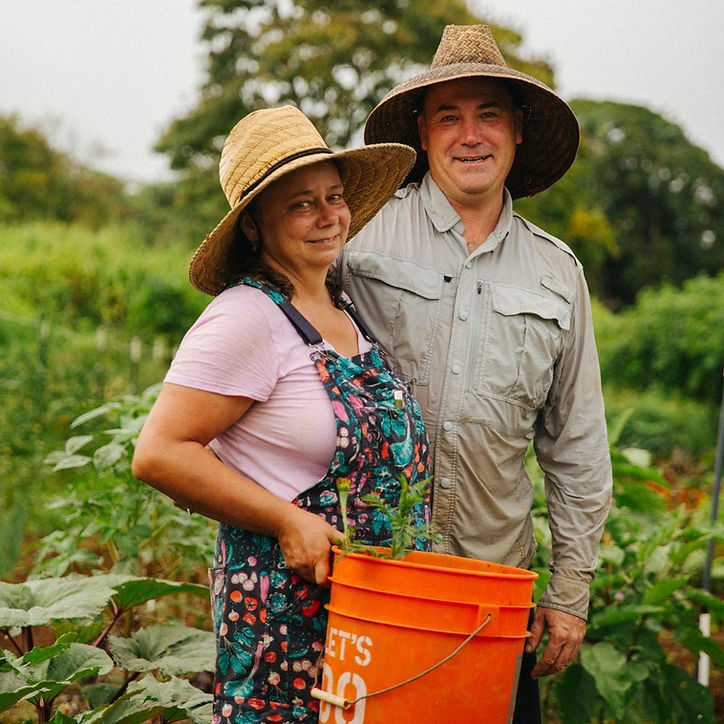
<point>478,212</point>
<point>478,220</point>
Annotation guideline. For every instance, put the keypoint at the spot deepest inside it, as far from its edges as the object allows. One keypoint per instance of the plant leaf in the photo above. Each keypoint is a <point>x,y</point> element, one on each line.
<point>614,676</point>
<point>131,590</point>
<point>40,601</point>
<point>662,590</point>
<point>621,614</point>
<point>146,698</point>
<point>172,650</point>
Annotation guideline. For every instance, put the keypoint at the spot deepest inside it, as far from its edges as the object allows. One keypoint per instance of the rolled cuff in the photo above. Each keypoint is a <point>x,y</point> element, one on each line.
<point>568,591</point>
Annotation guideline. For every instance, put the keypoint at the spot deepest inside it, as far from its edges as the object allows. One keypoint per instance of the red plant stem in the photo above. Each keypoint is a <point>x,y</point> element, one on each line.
<point>15,644</point>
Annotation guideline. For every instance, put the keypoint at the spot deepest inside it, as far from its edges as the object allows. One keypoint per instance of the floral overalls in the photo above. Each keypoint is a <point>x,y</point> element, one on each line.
<point>270,623</point>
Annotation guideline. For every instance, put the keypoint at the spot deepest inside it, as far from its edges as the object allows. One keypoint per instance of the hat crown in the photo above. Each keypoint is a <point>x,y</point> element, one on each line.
<point>467,44</point>
<point>262,141</point>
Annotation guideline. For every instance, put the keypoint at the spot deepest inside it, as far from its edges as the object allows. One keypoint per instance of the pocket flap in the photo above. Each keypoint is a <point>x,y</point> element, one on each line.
<point>424,282</point>
<point>514,300</point>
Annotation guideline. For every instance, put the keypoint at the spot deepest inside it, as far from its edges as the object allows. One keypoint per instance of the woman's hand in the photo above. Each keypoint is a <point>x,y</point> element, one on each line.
<point>306,540</point>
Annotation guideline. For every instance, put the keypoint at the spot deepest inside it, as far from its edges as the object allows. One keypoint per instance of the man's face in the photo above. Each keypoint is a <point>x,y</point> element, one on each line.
<point>470,128</point>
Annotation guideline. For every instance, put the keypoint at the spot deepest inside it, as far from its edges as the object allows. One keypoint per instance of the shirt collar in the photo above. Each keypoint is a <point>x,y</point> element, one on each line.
<point>444,217</point>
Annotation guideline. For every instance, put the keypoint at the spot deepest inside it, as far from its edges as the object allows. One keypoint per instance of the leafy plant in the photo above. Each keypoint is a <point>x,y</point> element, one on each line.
<point>645,599</point>
<point>84,660</point>
<point>135,529</point>
<point>405,529</point>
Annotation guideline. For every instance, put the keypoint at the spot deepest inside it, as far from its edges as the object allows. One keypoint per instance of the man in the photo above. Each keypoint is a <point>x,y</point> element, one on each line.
<point>489,318</point>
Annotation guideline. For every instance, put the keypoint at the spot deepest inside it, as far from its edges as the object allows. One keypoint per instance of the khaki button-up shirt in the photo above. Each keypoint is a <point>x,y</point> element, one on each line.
<point>499,347</point>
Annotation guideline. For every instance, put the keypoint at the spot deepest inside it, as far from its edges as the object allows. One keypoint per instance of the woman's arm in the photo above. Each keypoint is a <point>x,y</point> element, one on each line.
<point>172,456</point>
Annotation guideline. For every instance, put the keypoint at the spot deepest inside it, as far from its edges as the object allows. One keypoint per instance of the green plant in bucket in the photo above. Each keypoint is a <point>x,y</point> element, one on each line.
<point>404,530</point>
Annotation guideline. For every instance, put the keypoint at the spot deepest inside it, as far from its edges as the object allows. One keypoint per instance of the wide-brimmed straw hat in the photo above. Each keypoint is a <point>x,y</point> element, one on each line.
<point>550,129</point>
<point>267,144</point>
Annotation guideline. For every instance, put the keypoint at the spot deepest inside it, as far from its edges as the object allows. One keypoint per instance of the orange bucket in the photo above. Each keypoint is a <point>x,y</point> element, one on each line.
<point>426,639</point>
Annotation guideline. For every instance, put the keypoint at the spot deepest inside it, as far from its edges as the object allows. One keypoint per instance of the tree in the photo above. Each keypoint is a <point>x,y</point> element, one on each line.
<point>335,62</point>
<point>652,201</point>
<point>39,182</point>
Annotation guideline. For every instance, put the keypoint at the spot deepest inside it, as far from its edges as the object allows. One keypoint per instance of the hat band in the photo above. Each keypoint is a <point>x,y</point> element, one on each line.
<point>279,164</point>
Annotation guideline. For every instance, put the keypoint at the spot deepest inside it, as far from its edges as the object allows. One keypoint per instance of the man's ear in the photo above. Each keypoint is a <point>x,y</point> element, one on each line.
<point>248,226</point>
<point>518,126</point>
<point>422,131</point>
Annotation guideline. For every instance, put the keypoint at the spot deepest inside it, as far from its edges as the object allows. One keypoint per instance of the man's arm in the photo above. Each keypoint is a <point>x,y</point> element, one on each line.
<point>572,449</point>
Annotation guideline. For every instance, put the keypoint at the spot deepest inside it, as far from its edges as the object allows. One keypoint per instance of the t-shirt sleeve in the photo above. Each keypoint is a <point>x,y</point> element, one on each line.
<point>230,348</point>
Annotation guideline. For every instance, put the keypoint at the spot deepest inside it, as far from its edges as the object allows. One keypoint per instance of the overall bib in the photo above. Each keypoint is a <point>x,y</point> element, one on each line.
<point>270,623</point>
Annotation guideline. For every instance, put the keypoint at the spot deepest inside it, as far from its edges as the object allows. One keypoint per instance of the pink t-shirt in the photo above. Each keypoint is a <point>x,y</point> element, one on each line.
<point>243,345</point>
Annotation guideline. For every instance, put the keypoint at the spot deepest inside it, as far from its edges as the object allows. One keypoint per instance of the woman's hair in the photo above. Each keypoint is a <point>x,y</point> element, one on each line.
<point>246,261</point>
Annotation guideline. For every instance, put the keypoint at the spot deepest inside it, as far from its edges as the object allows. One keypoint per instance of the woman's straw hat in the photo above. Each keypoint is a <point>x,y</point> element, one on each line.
<point>267,144</point>
<point>550,129</point>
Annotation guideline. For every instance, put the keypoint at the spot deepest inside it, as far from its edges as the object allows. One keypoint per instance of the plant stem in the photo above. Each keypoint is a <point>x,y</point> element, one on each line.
<point>15,644</point>
<point>117,613</point>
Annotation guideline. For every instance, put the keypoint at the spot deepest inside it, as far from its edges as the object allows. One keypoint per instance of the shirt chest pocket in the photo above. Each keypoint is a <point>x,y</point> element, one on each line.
<point>400,301</point>
<point>522,337</point>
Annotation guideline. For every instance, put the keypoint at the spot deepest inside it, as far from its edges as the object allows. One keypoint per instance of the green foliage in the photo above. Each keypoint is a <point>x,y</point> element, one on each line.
<point>138,529</point>
<point>40,675</point>
<point>78,323</point>
<point>401,517</point>
<point>671,340</point>
<point>644,595</point>
<point>641,205</point>
<point>334,61</point>
<point>41,183</point>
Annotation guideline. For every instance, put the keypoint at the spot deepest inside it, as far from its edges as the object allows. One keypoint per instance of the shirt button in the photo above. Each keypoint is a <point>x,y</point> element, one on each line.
<point>445,483</point>
<point>463,315</point>
<point>457,369</point>
<point>447,425</point>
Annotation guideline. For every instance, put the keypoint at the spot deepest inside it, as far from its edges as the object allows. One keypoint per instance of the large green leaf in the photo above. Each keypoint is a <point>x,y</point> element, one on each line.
<point>613,674</point>
<point>620,614</point>
<point>146,698</point>
<point>174,649</point>
<point>662,590</point>
<point>36,674</point>
<point>13,689</point>
<point>689,701</point>
<point>38,602</point>
<point>576,691</point>
<point>133,591</point>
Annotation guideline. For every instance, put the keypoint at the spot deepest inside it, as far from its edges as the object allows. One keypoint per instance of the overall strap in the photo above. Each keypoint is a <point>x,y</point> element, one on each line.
<point>366,333</point>
<point>306,331</point>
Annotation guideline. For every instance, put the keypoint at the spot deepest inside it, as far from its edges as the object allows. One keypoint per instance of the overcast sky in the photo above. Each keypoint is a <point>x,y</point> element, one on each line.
<point>105,77</point>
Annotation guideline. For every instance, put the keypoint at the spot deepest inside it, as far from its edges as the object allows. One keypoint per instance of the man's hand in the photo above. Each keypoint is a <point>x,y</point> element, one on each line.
<point>565,636</point>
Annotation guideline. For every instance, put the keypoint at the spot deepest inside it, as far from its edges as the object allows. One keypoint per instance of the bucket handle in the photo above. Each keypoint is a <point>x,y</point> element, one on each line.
<point>343,703</point>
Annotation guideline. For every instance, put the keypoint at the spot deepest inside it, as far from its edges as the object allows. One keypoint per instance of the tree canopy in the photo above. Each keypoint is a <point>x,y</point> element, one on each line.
<point>641,205</point>
<point>41,182</point>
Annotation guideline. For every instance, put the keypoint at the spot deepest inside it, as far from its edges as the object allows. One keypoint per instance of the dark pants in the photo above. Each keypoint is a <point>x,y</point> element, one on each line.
<point>527,699</point>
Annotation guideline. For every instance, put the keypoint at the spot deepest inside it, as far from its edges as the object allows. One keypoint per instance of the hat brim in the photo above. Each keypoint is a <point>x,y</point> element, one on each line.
<point>550,129</point>
<point>370,175</point>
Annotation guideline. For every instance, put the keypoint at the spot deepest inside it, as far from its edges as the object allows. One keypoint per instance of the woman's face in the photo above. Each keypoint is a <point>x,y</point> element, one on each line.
<point>301,220</point>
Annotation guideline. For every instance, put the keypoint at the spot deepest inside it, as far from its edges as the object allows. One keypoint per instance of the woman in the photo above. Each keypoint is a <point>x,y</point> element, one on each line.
<point>277,393</point>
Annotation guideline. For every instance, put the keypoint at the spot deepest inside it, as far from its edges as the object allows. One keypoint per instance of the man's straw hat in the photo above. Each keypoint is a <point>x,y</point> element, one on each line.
<point>550,129</point>
<point>267,144</point>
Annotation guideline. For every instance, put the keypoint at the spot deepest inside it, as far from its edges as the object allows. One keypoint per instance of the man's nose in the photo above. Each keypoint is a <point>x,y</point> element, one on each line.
<point>470,132</point>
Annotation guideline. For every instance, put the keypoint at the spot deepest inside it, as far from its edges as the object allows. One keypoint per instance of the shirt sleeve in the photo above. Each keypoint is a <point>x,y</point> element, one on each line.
<point>572,449</point>
<point>230,349</point>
